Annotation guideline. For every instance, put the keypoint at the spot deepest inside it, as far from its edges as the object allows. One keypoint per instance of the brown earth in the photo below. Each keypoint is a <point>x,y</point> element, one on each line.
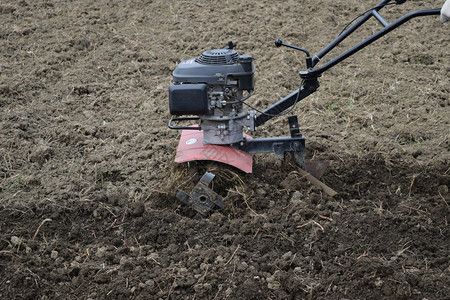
<point>88,183</point>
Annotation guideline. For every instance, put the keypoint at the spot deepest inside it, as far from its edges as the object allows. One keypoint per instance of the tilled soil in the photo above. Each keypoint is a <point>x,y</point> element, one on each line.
<point>88,182</point>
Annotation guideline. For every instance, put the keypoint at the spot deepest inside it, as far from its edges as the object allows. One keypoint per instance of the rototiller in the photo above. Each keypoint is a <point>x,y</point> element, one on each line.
<point>211,90</point>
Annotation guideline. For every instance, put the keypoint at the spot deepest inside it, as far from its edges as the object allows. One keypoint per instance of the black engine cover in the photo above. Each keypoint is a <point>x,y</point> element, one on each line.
<point>217,67</point>
<point>188,99</point>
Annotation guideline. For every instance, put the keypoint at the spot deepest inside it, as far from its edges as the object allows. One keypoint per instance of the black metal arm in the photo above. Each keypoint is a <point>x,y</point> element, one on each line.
<point>349,31</point>
<point>310,82</point>
<point>308,87</point>
<point>387,28</point>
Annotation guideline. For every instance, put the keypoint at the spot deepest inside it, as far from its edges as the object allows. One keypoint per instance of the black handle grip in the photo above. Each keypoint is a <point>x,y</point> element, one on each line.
<point>278,43</point>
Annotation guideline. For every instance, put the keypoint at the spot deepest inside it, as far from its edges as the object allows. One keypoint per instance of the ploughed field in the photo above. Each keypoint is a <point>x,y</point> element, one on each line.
<point>88,182</point>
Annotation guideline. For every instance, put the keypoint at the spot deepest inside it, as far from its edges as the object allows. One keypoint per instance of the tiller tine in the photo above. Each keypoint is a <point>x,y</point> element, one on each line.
<point>202,199</point>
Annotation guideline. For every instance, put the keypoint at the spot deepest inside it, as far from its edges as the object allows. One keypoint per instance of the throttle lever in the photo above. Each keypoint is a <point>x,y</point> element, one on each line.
<point>279,43</point>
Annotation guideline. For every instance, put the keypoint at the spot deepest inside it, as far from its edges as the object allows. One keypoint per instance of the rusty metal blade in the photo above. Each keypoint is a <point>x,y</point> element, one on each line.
<point>317,168</point>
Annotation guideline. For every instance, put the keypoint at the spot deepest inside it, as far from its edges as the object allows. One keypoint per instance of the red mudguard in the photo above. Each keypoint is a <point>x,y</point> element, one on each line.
<point>191,148</point>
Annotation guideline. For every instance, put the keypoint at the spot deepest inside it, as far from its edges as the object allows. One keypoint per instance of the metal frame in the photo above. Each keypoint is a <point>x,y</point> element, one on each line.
<point>277,145</point>
<point>310,83</point>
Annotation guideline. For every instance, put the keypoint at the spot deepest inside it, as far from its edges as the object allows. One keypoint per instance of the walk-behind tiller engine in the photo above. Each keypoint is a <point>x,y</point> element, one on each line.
<point>212,86</point>
<point>212,89</point>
